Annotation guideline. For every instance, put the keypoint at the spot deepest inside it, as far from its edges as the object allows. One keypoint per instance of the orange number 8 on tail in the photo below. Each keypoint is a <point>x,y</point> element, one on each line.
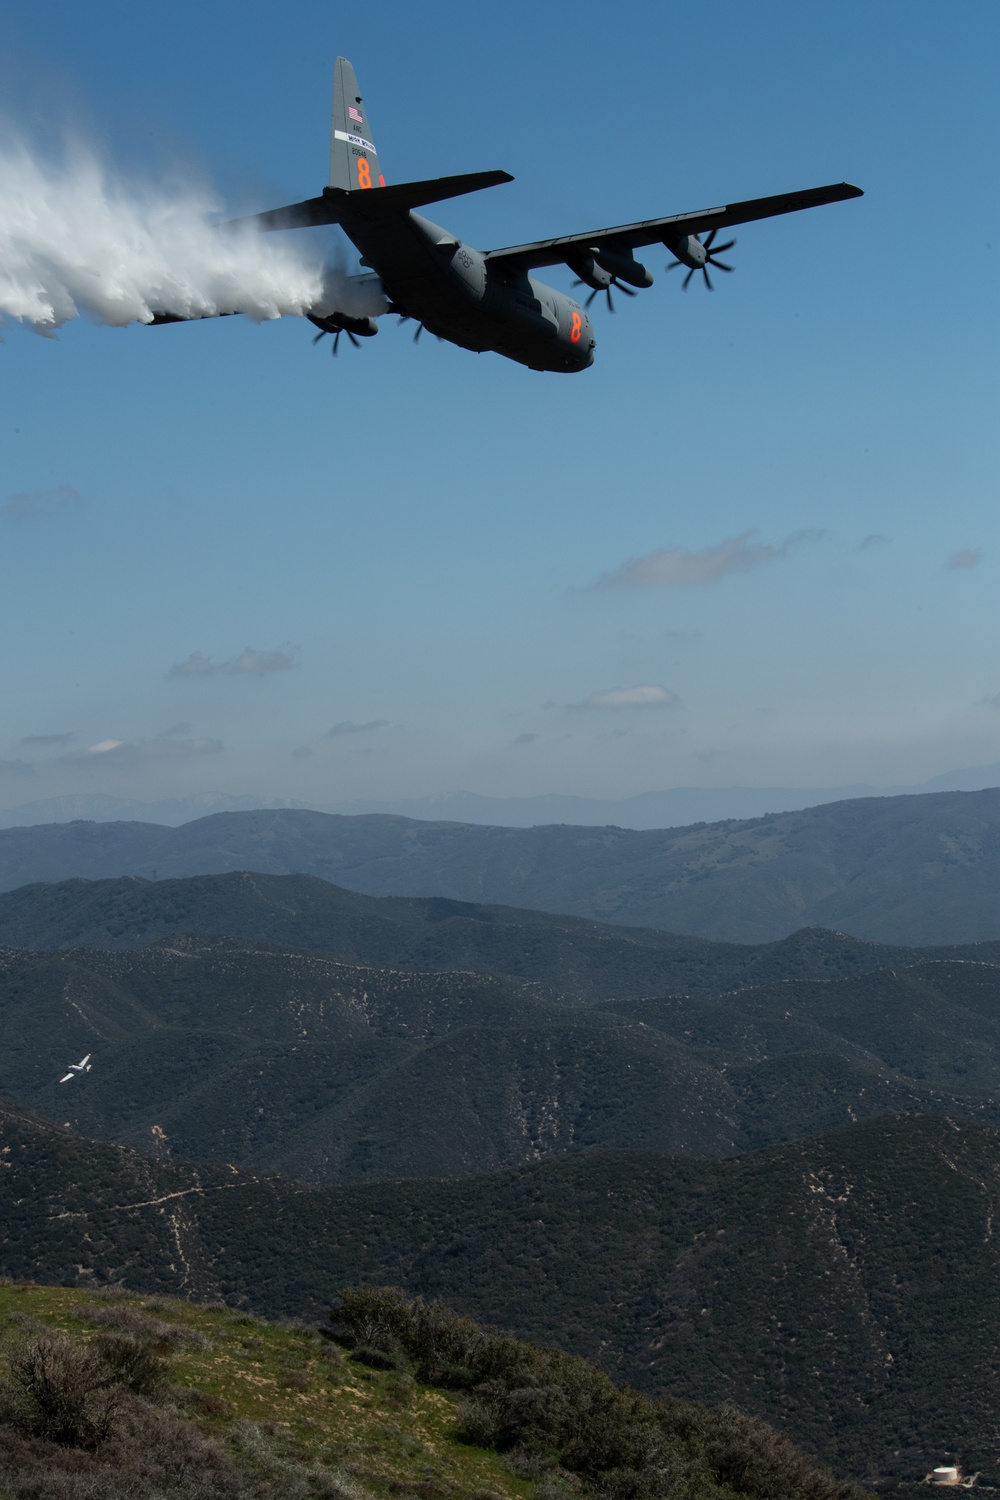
<point>364,173</point>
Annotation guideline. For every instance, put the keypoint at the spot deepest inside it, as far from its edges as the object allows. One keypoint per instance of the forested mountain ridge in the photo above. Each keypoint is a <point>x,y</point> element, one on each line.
<point>569,955</point>
<point>847,1288</point>
<point>912,870</point>
<point>282,1060</point>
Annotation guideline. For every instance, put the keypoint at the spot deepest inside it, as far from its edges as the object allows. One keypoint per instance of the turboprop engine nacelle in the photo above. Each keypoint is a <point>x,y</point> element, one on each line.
<point>363,328</point>
<point>622,267</point>
<point>689,251</point>
<point>591,274</point>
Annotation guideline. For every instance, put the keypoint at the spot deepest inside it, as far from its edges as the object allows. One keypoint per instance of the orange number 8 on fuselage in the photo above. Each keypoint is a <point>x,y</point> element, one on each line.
<point>364,173</point>
<point>575,324</point>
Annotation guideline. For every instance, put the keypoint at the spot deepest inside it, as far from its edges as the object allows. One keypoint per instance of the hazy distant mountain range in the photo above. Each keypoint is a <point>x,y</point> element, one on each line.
<point>671,808</point>
<point>100,807</point>
<point>913,870</point>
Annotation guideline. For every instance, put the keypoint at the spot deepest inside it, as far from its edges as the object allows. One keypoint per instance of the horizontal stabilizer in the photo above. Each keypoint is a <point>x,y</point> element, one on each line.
<point>159,318</point>
<point>335,205</point>
<point>306,215</point>
<point>406,195</point>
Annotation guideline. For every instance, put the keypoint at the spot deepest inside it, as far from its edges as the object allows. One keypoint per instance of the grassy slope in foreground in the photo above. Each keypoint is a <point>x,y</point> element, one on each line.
<point>293,1416</point>
<point>208,1403</point>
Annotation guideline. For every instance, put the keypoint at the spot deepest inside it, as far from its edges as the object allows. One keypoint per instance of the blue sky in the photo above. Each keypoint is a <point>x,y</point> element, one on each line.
<point>414,539</point>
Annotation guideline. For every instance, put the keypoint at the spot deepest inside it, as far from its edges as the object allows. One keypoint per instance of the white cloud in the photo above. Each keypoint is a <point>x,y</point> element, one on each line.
<point>964,557</point>
<point>348,726</point>
<point>249,663</point>
<point>140,751</point>
<point>32,505</point>
<point>258,663</point>
<point>630,697</point>
<point>675,567</point>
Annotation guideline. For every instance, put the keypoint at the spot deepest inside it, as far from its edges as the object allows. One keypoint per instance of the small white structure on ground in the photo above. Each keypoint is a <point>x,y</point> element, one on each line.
<point>951,1475</point>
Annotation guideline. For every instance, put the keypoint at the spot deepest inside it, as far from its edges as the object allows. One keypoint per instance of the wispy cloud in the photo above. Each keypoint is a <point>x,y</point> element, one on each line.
<point>964,557</point>
<point>137,752</point>
<point>525,739</point>
<point>992,700</point>
<point>33,505</point>
<point>195,665</point>
<point>182,728</point>
<point>676,567</point>
<point>258,663</point>
<point>249,663</point>
<point>873,539</point>
<point>348,726</point>
<point>647,696</point>
<point>46,739</point>
<point>16,768</point>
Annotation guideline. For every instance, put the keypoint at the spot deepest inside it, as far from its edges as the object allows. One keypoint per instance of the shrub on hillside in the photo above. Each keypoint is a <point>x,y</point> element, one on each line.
<point>96,1421</point>
<point>554,1413</point>
<point>60,1390</point>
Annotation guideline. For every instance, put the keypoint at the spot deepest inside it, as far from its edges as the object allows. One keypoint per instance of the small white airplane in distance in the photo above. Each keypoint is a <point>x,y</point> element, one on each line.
<point>75,1069</point>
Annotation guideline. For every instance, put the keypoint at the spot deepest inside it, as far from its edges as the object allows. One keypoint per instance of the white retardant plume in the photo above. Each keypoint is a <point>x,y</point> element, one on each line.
<point>75,240</point>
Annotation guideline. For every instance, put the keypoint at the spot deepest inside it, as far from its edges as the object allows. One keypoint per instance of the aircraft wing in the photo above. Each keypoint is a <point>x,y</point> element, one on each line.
<point>67,1078</point>
<point>660,231</point>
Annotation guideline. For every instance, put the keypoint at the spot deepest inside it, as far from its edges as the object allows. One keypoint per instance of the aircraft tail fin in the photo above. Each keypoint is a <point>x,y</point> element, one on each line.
<point>353,158</point>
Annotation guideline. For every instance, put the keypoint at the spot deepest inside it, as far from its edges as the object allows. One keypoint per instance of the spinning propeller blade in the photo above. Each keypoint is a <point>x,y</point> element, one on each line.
<point>711,251</point>
<point>619,285</point>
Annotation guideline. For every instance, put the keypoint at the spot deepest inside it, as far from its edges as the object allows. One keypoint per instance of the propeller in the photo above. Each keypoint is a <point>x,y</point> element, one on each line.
<point>710,260</point>
<point>607,291</point>
<point>406,318</point>
<point>336,338</point>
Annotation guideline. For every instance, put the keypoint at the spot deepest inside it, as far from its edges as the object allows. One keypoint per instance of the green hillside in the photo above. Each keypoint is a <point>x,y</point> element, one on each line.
<point>846,1288</point>
<point>216,1403</point>
<point>219,1049</point>
<point>222,1049</point>
<point>569,955</point>
<point>115,1396</point>
<point>906,870</point>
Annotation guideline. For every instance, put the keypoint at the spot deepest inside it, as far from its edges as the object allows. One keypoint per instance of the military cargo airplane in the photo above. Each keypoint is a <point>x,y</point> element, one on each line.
<point>488,299</point>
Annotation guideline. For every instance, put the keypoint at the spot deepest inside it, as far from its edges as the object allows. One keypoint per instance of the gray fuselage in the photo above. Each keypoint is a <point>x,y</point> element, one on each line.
<point>430,275</point>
